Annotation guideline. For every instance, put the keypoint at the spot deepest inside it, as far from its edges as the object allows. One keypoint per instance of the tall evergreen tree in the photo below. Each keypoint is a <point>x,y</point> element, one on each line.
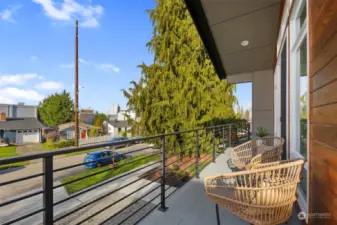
<point>180,90</point>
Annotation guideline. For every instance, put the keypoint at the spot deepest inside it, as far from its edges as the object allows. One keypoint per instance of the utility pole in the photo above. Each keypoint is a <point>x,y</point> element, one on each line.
<point>76,86</point>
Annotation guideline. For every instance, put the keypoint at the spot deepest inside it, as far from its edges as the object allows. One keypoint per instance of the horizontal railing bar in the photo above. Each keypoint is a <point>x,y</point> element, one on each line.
<point>101,184</point>
<point>20,198</point>
<point>142,207</point>
<point>95,200</point>
<point>23,217</point>
<point>45,154</point>
<point>121,210</point>
<point>102,171</point>
<point>97,160</point>
<point>119,200</point>
<point>21,179</point>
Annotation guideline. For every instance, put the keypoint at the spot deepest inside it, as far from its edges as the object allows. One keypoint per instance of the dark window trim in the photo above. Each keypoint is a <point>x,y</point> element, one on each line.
<point>198,15</point>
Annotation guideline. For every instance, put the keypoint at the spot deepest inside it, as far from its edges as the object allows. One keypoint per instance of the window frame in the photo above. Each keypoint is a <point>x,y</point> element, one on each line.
<point>298,34</point>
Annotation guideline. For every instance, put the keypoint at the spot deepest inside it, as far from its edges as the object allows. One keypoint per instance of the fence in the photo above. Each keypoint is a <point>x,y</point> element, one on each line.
<point>92,140</point>
<point>189,151</point>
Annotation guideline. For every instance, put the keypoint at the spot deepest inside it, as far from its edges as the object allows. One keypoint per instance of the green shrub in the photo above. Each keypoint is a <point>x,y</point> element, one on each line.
<point>63,144</point>
<point>181,174</point>
<point>175,167</point>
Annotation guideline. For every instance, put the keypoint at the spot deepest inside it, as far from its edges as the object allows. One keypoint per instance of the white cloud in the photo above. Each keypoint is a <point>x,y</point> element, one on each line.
<point>51,85</point>
<point>12,95</point>
<point>17,79</point>
<point>7,14</point>
<point>108,67</point>
<point>69,10</point>
<point>66,66</point>
<point>40,77</point>
<point>6,100</point>
<point>34,58</point>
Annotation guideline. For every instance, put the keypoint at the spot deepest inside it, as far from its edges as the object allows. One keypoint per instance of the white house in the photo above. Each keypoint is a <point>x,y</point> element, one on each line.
<point>19,123</point>
<point>116,128</point>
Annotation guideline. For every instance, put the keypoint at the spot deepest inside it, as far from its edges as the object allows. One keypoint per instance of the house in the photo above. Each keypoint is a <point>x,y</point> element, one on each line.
<point>288,50</point>
<point>67,130</point>
<point>116,128</point>
<point>116,113</point>
<point>19,123</point>
<point>87,116</point>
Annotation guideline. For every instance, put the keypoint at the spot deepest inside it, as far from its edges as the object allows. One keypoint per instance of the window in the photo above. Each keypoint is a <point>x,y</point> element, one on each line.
<point>299,96</point>
<point>303,99</point>
<point>303,15</point>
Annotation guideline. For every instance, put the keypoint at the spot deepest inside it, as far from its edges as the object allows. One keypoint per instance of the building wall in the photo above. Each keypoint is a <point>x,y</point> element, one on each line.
<point>323,108</point>
<point>14,111</point>
<point>262,99</point>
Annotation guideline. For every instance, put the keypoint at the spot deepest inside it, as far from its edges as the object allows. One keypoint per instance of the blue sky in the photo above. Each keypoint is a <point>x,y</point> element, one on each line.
<point>37,49</point>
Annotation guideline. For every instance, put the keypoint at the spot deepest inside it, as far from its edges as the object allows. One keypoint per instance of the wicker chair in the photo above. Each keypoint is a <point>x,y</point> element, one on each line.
<point>265,194</point>
<point>268,149</point>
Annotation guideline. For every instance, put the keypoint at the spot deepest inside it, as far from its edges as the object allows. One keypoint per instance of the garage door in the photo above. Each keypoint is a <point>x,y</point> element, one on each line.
<point>27,137</point>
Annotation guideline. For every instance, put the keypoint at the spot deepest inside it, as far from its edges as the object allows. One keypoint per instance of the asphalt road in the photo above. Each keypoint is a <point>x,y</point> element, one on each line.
<point>9,191</point>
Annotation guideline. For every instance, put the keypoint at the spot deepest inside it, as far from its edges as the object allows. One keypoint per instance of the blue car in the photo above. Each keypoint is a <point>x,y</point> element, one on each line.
<point>102,158</point>
<point>118,139</point>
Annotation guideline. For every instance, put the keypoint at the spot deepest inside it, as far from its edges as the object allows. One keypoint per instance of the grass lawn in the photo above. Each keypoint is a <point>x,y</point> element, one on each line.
<point>87,182</point>
<point>10,151</point>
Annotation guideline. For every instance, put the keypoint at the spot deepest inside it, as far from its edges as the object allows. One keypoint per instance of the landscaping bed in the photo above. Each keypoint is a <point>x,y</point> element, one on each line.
<point>87,182</point>
<point>178,173</point>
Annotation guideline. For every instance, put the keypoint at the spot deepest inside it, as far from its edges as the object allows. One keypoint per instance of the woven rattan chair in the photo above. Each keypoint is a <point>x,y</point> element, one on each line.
<point>267,149</point>
<point>265,194</point>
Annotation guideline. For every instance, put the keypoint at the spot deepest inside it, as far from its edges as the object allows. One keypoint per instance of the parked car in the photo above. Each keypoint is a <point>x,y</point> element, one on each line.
<point>102,158</point>
<point>135,141</point>
<point>118,139</point>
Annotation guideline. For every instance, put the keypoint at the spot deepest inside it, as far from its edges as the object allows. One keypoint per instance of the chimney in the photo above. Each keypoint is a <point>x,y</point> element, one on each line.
<point>2,116</point>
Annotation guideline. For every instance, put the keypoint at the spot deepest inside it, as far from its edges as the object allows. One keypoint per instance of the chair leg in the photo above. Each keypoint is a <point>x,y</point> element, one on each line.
<point>217,214</point>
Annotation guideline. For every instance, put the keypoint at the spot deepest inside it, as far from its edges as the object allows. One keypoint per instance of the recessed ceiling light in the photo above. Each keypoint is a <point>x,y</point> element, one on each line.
<point>244,43</point>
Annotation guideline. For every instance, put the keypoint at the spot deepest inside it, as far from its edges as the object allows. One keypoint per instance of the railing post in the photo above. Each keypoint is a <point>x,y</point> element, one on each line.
<point>213,144</point>
<point>162,206</point>
<point>197,154</point>
<point>230,135</point>
<point>48,215</point>
<point>223,138</point>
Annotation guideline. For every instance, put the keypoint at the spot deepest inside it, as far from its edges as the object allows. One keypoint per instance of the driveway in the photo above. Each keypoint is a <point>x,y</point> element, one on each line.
<point>14,189</point>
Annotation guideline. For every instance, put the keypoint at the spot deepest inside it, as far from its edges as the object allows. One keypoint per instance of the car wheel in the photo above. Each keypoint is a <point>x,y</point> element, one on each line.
<point>98,165</point>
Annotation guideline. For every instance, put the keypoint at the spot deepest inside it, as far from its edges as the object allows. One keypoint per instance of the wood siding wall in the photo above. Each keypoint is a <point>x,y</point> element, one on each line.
<point>323,109</point>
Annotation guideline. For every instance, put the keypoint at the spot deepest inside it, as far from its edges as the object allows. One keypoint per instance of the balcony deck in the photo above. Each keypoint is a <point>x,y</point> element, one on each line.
<point>190,206</point>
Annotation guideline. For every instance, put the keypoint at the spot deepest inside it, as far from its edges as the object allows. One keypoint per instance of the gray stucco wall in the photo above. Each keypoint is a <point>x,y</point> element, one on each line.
<point>262,100</point>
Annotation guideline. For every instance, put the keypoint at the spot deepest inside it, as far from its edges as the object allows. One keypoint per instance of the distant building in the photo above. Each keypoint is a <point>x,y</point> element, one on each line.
<point>67,130</point>
<point>87,116</point>
<point>116,128</point>
<point>19,123</point>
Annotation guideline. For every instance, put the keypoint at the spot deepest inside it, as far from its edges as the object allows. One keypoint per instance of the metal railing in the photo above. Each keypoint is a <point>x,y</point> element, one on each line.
<point>98,139</point>
<point>189,151</point>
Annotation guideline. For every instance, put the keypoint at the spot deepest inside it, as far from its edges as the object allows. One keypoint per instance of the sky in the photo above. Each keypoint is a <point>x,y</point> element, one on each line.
<point>37,49</point>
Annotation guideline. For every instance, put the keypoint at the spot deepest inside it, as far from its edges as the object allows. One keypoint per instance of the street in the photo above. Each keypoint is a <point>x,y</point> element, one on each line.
<point>14,189</point>
<point>29,186</point>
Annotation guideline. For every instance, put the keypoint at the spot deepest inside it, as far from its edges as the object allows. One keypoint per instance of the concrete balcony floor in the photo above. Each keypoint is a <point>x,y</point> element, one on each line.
<point>190,206</point>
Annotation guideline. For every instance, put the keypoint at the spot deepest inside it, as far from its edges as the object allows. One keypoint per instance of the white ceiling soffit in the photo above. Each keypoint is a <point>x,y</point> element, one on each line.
<point>233,21</point>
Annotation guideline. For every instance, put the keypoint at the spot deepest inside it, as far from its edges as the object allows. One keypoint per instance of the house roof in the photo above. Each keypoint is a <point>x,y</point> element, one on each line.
<point>21,124</point>
<point>81,125</point>
<point>119,124</point>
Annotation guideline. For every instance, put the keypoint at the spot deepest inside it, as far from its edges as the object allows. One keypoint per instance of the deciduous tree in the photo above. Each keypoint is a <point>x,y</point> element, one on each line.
<point>56,109</point>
